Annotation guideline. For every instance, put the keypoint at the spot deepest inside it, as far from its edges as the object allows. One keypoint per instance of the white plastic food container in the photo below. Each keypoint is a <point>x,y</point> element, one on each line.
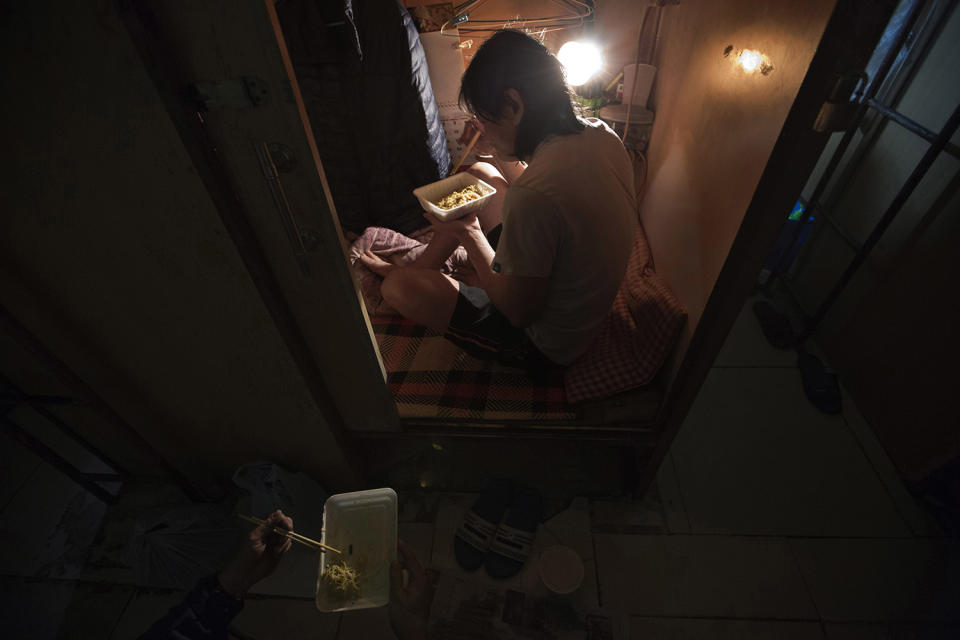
<point>363,525</point>
<point>430,194</point>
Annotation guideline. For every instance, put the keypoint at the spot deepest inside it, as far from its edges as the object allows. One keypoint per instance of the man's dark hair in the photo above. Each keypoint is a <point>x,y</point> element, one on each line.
<point>513,60</point>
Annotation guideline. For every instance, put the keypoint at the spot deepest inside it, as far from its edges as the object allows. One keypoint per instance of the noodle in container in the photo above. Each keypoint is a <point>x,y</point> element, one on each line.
<point>431,194</point>
<point>363,526</point>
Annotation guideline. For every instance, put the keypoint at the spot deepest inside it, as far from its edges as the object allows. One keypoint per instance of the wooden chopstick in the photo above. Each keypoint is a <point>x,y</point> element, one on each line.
<point>466,152</point>
<point>296,537</point>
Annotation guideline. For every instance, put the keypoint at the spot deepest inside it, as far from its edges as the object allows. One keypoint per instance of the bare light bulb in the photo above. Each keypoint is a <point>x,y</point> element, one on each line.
<point>750,60</point>
<point>580,60</point>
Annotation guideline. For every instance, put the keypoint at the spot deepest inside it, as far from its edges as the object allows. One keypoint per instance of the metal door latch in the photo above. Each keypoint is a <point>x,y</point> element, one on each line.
<point>244,92</point>
<point>838,111</point>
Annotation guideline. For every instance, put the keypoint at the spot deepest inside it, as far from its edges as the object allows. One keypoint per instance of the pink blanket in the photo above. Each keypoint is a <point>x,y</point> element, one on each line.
<point>393,247</point>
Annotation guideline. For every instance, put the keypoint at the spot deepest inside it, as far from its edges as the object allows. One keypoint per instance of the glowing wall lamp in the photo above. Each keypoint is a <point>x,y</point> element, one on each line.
<point>750,60</point>
<point>580,60</point>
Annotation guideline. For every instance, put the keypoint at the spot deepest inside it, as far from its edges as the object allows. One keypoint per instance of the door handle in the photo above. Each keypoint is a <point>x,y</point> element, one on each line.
<point>287,218</point>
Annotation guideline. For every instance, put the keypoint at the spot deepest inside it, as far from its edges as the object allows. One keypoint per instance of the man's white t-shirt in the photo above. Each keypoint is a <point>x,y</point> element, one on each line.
<point>570,217</point>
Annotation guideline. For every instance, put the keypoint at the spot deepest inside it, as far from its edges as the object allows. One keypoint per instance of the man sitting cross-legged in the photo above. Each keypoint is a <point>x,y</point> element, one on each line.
<point>550,248</point>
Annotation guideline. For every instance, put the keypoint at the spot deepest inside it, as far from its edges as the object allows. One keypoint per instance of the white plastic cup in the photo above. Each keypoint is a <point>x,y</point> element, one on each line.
<point>561,569</point>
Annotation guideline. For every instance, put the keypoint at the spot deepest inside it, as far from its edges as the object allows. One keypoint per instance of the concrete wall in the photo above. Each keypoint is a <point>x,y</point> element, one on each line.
<point>715,127</point>
<point>111,252</point>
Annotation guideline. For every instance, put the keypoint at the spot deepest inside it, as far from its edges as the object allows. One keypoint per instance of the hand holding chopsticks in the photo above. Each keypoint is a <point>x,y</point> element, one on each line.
<point>296,537</point>
<point>258,556</point>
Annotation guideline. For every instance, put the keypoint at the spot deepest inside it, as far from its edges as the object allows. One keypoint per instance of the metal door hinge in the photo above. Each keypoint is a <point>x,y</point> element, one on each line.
<point>838,111</point>
<point>244,92</point>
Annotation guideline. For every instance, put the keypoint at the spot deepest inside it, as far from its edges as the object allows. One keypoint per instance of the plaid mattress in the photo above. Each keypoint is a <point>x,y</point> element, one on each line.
<point>431,378</point>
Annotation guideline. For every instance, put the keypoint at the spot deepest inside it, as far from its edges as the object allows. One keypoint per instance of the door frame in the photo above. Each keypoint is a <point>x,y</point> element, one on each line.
<point>167,72</point>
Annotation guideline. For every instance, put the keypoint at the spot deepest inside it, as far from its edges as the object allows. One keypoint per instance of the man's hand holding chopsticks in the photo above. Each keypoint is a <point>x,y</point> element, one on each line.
<point>261,552</point>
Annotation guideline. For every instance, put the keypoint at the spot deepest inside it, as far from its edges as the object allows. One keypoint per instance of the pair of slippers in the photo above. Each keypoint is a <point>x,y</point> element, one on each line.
<point>499,529</point>
<point>820,386</point>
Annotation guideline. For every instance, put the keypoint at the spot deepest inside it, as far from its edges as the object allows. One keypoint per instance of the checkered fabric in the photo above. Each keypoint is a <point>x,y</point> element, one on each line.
<point>637,336</point>
<point>431,378</point>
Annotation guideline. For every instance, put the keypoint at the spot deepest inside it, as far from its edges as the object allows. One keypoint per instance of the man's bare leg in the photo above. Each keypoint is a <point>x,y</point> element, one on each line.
<point>492,213</point>
<point>425,296</point>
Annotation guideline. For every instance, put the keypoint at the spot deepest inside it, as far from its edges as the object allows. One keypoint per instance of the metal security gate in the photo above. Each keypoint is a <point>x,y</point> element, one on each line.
<point>913,32</point>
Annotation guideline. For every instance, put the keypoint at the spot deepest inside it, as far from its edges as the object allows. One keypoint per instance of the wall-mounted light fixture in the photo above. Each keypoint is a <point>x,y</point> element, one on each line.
<point>581,60</point>
<point>750,60</point>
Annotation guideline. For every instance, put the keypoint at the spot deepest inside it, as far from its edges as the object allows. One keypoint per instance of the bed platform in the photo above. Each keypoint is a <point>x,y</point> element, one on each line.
<point>436,384</point>
<point>613,389</point>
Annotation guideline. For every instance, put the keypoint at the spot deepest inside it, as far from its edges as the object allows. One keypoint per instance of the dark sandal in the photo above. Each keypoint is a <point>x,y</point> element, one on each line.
<point>821,386</point>
<point>480,524</point>
<point>776,326</point>
<point>514,539</point>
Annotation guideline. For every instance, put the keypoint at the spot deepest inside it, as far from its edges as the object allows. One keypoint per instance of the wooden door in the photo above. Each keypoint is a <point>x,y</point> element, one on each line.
<point>223,69</point>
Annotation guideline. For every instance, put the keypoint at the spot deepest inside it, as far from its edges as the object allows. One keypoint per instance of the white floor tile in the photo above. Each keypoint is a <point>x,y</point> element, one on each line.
<point>49,434</point>
<point>37,610</point>
<point>17,465</point>
<point>296,576</point>
<point>110,559</point>
<point>882,580</point>
<point>683,628</point>
<point>745,345</point>
<point>418,536</point>
<point>753,457</point>
<point>711,576</point>
<point>644,516</point>
<point>64,520</point>
<point>659,510</point>
<point>920,522</point>
<point>894,631</point>
<point>285,619</point>
<point>671,497</point>
<point>365,624</point>
<point>144,608</point>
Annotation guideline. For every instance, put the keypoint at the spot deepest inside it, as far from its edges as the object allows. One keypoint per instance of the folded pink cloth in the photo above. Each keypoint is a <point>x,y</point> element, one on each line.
<point>393,247</point>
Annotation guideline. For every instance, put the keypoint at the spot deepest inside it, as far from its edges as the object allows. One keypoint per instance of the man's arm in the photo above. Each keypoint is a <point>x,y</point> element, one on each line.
<point>208,609</point>
<point>520,299</point>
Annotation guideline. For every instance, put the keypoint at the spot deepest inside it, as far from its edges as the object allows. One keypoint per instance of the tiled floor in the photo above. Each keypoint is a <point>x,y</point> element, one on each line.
<point>767,520</point>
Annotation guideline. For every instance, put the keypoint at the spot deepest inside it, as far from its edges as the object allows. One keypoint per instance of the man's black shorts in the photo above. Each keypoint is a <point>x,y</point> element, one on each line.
<point>481,330</point>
